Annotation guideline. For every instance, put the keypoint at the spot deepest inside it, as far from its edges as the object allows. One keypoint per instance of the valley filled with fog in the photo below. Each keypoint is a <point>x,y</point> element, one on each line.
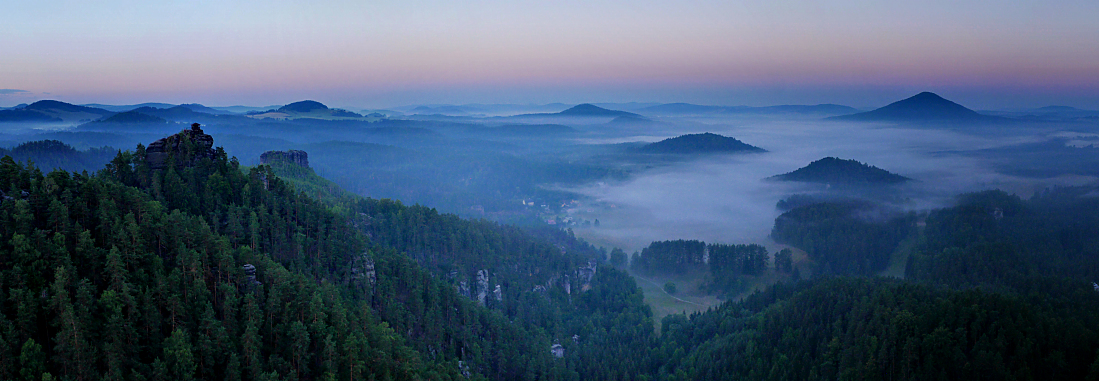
<point>565,166</point>
<point>725,198</point>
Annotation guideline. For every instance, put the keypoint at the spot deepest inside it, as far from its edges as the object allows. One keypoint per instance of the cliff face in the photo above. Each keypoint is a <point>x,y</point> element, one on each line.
<point>300,158</point>
<point>187,147</point>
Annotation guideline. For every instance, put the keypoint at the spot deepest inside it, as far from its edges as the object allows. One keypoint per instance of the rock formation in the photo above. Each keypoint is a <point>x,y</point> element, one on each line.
<point>250,283</point>
<point>463,288</point>
<point>301,158</point>
<point>362,271</point>
<point>187,147</point>
<point>482,286</point>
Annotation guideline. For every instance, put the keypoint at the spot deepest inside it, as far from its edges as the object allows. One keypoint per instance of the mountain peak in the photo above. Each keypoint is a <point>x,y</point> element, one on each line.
<point>588,109</point>
<point>922,107</point>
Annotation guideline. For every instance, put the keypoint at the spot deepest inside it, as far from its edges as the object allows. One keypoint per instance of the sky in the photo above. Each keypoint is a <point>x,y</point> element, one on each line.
<point>375,54</point>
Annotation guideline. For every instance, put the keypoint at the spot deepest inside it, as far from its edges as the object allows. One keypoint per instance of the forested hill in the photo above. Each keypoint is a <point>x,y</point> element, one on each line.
<point>548,285</point>
<point>699,144</point>
<point>845,328</point>
<point>836,171</point>
<point>52,154</point>
<point>207,270</point>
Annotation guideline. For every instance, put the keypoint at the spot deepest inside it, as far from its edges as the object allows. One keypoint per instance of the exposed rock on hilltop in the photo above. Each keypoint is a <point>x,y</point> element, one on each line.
<point>300,158</point>
<point>186,147</point>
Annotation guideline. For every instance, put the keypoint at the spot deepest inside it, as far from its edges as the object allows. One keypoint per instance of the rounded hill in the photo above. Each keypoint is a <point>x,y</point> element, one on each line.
<point>831,170</point>
<point>587,109</point>
<point>699,143</point>
<point>303,107</point>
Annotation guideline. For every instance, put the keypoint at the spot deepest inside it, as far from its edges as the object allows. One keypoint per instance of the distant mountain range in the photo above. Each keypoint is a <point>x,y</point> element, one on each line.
<point>124,108</point>
<point>133,117</point>
<point>585,110</point>
<point>208,110</point>
<point>530,130</point>
<point>588,109</point>
<point>178,113</point>
<point>1052,113</point>
<point>699,144</point>
<point>227,110</point>
<point>836,171</point>
<point>693,109</point>
<point>304,109</point>
<point>922,107</point>
<point>53,111</point>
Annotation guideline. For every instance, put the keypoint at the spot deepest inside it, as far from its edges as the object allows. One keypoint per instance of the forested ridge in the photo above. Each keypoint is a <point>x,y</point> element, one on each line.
<point>851,328</point>
<point>997,288</point>
<point>844,237</point>
<point>135,273</point>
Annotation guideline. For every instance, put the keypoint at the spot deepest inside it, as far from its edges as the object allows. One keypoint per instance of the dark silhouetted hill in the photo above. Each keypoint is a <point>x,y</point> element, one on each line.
<point>24,115</point>
<point>588,109</point>
<point>923,107</point>
<point>699,143</point>
<point>56,106</point>
<point>303,107</point>
<point>631,120</point>
<point>123,108</point>
<point>53,111</point>
<point>133,117</point>
<point>52,154</point>
<point>203,109</point>
<point>831,170</point>
<point>173,113</point>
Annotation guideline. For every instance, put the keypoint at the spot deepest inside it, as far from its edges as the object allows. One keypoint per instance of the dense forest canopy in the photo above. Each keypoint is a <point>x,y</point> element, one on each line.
<point>205,269</point>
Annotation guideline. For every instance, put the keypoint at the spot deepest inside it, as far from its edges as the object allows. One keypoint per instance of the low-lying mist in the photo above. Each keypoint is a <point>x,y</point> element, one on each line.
<point>728,199</point>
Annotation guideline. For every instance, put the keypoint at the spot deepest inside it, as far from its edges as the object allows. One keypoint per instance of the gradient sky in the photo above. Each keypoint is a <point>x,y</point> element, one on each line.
<point>355,54</point>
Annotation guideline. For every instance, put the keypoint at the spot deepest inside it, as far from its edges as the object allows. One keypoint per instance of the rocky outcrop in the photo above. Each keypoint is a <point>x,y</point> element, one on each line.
<point>585,274</point>
<point>362,271</point>
<point>463,289</point>
<point>482,286</point>
<point>186,148</point>
<point>250,283</point>
<point>299,158</point>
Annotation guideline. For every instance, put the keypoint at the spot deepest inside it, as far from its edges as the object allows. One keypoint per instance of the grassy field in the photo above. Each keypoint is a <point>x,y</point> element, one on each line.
<point>689,299</point>
<point>899,259</point>
<point>686,300</point>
